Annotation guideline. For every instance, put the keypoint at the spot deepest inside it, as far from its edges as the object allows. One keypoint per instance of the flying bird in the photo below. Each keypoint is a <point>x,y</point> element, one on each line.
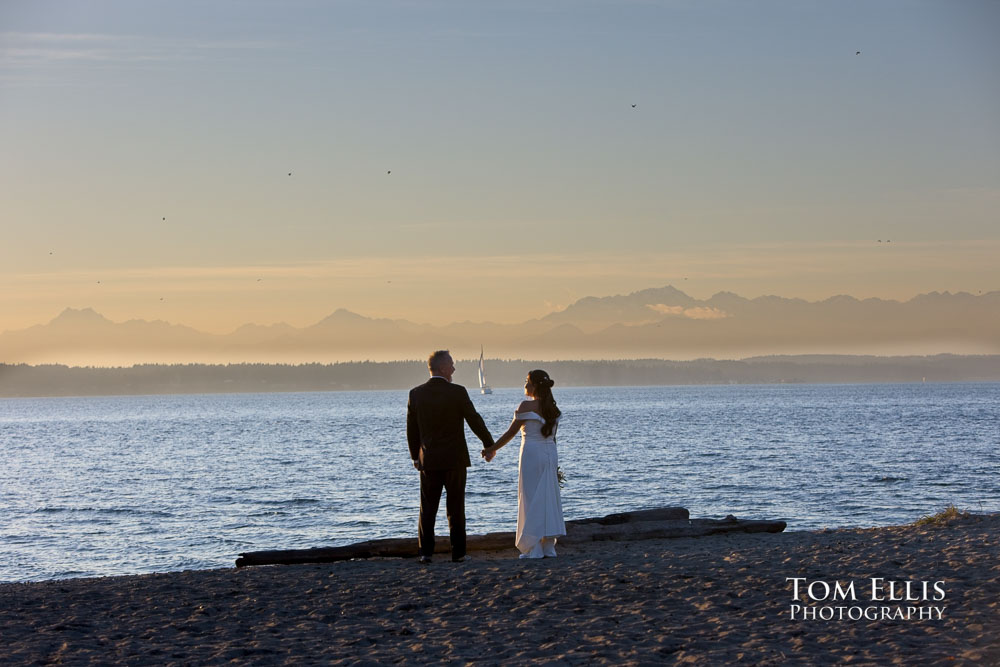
<point>857,53</point>
<point>388,172</point>
<point>289,173</point>
<point>633,106</point>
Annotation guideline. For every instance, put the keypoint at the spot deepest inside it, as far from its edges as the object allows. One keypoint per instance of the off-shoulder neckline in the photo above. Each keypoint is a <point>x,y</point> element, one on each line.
<point>532,413</point>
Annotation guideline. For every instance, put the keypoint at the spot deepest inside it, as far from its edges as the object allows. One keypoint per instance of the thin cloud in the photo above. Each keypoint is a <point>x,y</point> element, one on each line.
<point>41,55</point>
<point>28,49</point>
<point>31,37</point>
<point>664,309</point>
<point>703,313</point>
<point>734,262</point>
<point>504,288</point>
<point>697,313</point>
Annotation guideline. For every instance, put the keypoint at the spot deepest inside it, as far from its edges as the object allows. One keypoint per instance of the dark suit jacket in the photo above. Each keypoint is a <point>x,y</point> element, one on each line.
<point>434,425</point>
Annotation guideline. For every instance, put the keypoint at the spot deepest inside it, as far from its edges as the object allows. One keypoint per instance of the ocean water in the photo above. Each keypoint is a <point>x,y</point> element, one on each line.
<point>125,485</point>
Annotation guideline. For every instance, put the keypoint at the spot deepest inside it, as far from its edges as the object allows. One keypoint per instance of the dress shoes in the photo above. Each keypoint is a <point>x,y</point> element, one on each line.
<point>424,560</point>
<point>461,559</point>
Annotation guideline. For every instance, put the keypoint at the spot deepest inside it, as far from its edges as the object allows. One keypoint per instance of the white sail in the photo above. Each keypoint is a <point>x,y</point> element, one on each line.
<point>483,387</point>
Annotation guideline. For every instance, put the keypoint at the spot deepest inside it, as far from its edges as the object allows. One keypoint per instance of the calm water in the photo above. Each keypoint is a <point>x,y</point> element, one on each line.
<point>117,485</point>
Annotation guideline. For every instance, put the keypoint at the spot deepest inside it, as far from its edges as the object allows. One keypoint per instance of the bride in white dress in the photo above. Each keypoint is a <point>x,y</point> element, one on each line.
<point>539,509</point>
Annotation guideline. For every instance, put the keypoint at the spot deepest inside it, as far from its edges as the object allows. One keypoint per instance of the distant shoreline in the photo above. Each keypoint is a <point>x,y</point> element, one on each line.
<point>50,380</point>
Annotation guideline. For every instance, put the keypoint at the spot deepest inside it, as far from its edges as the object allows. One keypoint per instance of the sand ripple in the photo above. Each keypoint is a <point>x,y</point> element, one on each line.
<point>707,601</point>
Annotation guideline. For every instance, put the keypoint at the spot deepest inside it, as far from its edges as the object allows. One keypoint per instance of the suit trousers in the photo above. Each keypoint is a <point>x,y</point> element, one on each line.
<point>432,482</point>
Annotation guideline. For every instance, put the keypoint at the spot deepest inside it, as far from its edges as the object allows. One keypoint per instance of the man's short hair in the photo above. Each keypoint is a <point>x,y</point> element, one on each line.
<point>436,359</point>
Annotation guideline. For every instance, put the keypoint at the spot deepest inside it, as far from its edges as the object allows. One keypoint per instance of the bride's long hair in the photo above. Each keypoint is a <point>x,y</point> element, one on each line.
<point>547,407</point>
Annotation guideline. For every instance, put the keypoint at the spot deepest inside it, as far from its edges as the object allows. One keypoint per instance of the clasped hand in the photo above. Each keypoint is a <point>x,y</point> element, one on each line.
<point>488,454</point>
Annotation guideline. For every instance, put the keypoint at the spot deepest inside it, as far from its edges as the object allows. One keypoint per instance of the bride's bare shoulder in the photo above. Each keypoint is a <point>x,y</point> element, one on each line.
<point>527,406</point>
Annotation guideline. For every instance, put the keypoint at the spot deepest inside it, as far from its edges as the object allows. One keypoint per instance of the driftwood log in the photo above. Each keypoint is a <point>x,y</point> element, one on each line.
<point>642,525</point>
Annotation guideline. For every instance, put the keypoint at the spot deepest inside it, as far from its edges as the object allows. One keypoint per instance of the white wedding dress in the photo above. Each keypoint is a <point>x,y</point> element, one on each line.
<point>539,509</point>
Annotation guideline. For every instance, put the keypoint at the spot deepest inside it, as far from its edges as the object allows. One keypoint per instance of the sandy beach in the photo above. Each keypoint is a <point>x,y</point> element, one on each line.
<point>709,600</point>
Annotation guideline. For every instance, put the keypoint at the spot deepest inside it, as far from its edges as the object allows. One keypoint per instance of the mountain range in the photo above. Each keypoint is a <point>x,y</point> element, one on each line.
<point>660,323</point>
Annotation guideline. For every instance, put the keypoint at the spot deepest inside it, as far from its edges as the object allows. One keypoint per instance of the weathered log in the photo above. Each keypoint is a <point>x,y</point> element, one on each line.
<point>658,514</point>
<point>642,525</point>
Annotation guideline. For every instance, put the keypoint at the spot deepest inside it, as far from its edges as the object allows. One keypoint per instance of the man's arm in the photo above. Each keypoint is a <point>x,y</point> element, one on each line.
<point>475,421</point>
<point>413,432</point>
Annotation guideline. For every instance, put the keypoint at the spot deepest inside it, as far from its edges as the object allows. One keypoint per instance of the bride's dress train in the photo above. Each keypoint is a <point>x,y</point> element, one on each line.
<point>539,508</point>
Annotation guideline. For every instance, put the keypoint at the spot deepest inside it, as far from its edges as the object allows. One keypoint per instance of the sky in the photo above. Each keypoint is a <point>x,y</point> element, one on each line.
<point>214,163</point>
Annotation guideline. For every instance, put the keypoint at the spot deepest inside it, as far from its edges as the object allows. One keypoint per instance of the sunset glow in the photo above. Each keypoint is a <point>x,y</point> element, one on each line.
<point>231,163</point>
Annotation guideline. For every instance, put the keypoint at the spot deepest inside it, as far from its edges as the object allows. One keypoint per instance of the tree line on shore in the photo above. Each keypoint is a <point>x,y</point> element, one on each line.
<point>24,380</point>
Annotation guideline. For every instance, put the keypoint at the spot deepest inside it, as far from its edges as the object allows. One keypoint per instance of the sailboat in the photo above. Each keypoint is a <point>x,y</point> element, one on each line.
<point>483,387</point>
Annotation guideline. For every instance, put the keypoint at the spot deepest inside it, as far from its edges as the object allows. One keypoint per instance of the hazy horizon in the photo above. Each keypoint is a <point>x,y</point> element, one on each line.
<point>431,321</point>
<point>655,323</point>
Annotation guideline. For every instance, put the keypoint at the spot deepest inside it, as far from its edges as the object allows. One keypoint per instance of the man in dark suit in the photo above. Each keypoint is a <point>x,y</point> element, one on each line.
<point>435,430</point>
